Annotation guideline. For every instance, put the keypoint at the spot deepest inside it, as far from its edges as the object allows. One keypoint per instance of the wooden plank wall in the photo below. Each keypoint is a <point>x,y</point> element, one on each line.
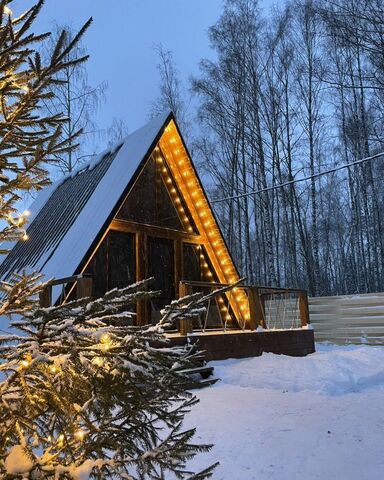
<point>348,318</point>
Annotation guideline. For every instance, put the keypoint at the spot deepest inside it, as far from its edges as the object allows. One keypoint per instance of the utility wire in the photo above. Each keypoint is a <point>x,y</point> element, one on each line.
<point>274,187</point>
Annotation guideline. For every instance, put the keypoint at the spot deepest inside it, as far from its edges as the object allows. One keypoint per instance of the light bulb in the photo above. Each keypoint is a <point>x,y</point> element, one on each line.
<point>98,361</point>
<point>105,341</point>
<point>80,435</point>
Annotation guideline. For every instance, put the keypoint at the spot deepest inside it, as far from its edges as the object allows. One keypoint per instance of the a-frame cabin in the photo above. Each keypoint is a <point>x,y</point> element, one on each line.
<point>134,212</point>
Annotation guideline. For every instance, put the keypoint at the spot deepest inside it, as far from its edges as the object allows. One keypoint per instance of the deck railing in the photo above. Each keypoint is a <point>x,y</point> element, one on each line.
<point>81,285</point>
<point>268,307</point>
<point>271,308</point>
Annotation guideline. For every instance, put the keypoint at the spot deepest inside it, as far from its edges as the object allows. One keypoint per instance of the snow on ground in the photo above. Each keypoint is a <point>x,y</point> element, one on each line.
<point>284,418</point>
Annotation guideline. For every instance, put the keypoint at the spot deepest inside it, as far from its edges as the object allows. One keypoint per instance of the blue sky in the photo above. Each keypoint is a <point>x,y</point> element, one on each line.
<point>121,42</point>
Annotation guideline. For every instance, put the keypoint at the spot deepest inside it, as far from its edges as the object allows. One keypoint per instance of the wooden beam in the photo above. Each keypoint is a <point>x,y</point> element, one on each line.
<point>142,310</point>
<point>255,309</point>
<point>178,262</point>
<point>154,231</point>
<point>84,287</point>
<point>185,325</point>
<point>45,297</point>
<point>304,309</point>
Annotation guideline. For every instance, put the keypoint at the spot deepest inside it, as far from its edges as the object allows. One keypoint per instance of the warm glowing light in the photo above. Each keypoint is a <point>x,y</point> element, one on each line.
<point>98,361</point>
<point>80,435</point>
<point>217,259</point>
<point>53,369</point>
<point>25,363</point>
<point>105,341</point>
<point>26,213</point>
<point>7,10</point>
<point>25,237</point>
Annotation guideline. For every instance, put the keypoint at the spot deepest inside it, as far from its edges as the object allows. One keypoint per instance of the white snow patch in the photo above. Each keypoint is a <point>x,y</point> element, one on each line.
<point>276,417</point>
<point>83,471</point>
<point>17,461</point>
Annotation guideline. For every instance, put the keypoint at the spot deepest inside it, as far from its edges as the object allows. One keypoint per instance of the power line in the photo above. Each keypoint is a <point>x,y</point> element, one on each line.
<point>274,187</point>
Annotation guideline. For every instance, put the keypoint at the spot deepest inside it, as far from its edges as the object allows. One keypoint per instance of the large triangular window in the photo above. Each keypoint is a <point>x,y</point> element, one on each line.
<point>156,200</point>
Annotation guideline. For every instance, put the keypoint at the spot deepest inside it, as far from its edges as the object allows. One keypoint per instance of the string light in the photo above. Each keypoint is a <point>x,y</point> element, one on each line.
<point>178,162</point>
<point>7,10</point>
<point>53,369</point>
<point>105,341</point>
<point>80,435</point>
<point>98,361</point>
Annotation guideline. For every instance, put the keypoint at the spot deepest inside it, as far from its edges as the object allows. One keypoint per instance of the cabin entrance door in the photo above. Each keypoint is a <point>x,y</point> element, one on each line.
<point>161,266</point>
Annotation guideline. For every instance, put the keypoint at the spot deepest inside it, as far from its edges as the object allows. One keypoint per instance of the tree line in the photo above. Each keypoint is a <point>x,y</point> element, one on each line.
<point>289,95</point>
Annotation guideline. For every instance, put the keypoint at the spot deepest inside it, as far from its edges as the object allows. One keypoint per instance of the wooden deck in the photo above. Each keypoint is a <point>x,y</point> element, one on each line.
<point>219,345</point>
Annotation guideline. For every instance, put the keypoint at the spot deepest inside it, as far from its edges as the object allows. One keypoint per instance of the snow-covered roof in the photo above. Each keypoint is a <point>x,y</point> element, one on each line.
<point>68,216</point>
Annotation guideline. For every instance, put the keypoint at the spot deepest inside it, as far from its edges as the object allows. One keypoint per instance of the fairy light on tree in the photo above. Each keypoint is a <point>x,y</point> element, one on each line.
<point>68,392</point>
<point>81,382</point>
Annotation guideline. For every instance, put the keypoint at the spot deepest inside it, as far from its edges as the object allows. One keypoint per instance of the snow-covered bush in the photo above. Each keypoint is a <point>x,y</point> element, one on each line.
<point>85,395</point>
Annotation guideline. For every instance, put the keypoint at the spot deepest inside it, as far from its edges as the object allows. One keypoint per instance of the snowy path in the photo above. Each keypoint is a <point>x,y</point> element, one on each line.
<point>283,418</point>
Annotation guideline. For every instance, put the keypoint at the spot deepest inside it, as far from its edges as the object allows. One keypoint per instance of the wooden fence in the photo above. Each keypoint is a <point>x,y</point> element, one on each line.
<point>348,318</point>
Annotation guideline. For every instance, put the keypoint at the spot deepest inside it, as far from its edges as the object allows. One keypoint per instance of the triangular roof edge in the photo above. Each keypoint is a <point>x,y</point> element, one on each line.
<point>168,117</point>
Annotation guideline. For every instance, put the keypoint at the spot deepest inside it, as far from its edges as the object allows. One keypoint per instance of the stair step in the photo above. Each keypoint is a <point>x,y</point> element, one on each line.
<point>205,371</point>
<point>205,383</point>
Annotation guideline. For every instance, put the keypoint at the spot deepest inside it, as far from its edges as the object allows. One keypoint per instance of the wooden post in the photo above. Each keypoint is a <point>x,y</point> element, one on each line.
<point>185,324</point>
<point>304,309</point>
<point>255,309</point>
<point>84,286</point>
<point>142,310</point>
<point>184,289</point>
<point>178,261</point>
<point>45,297</point>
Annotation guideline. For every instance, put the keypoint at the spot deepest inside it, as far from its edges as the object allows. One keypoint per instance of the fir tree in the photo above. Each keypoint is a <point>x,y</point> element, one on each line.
<point>82,393</point>
<point>29,139</point>
<point>86,395</point>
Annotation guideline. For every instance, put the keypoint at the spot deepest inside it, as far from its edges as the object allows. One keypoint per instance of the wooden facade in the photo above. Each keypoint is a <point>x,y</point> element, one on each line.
<point>164,228</point>
<point>152,219</point>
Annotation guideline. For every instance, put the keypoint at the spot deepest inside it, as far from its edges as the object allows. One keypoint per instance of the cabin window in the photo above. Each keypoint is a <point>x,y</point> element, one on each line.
<point>161,266</point>
<point>121,259</point>
<point>155,200</point>
<point>114,263</point>
<point>191,262</point>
